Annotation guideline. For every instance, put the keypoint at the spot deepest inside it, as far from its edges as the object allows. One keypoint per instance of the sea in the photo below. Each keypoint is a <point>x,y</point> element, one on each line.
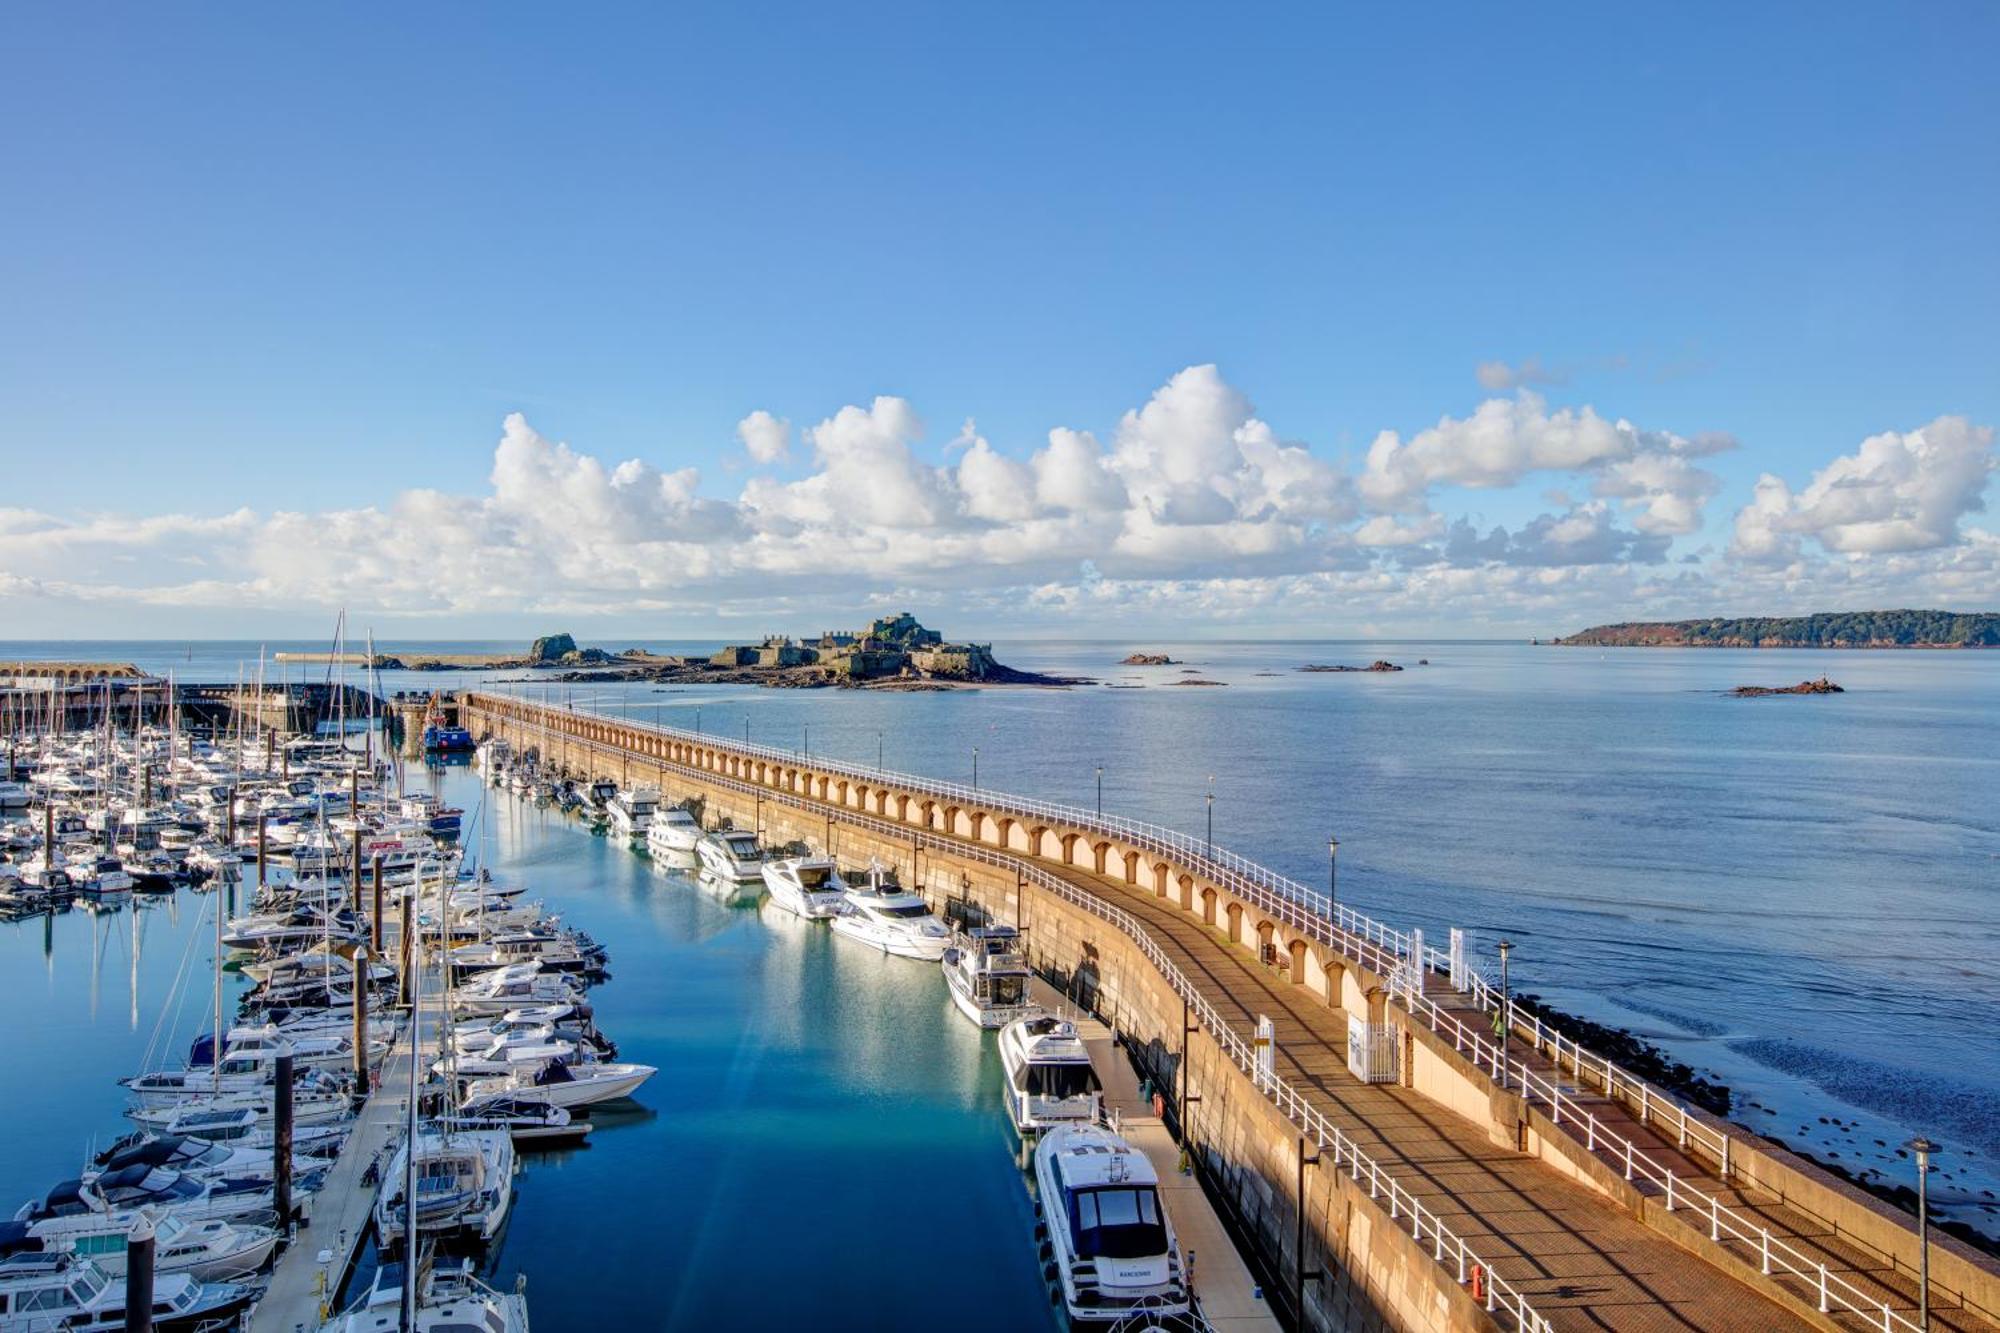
<point>1799,895</point>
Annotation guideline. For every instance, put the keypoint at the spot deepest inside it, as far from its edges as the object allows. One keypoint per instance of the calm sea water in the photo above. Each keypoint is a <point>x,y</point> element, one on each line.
<point>1800,894</point>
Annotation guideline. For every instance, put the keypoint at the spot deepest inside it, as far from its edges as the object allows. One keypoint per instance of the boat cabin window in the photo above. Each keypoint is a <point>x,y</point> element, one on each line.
<point>910,910</point>
<point>1048,1080</point>
<point>814,877</point>
<point>1117,1222</point>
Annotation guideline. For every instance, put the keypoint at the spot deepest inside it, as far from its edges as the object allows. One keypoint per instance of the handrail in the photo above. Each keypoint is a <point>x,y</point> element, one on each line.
<point>1405,1208</point>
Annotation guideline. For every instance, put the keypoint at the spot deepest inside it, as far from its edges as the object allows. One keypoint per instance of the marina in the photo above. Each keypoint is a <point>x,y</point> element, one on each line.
<point>529,1088</point>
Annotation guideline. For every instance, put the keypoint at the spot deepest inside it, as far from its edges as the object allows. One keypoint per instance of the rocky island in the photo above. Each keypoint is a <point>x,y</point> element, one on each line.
<point>1820,686</point>
<point>1840,629</point>
<point>1148,659</point>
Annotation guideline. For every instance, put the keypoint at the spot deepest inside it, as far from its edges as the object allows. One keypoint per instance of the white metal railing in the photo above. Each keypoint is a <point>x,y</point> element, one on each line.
<point>1379,947</point>
<point>1337,1149</point>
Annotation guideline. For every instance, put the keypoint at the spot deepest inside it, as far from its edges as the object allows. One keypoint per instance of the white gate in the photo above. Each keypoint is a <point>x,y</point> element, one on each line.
<point>1371,1051</point>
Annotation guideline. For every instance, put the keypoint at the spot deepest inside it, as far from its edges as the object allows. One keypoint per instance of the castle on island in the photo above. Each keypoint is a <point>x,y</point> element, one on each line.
<point>895,645</point>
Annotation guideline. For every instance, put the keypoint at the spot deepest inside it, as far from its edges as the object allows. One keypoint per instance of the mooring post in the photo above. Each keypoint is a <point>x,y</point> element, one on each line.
<point>263,849</point>
<point>361,960</point>
<point>281,1142</point>
<point>375,916</point>
<point>139,1274</point>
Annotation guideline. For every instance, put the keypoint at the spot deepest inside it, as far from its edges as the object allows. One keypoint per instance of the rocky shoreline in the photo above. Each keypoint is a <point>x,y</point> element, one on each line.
<point>1635,1053</point>
<point>1377,665</point>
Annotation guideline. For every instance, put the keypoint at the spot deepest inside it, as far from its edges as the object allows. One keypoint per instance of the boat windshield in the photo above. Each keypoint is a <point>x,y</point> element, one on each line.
<point>814,877</point>
<point>1117,1222</point>
<point>1061,1080</point>
<point>909,911</point>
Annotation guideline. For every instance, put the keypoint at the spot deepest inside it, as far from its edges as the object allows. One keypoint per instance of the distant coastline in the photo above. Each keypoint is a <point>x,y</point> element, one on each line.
<point>1841,629</point>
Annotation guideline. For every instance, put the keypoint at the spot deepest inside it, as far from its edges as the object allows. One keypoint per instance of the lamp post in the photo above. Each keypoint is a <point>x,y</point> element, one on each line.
<point>1211,817</point>
<point>697,719</point>
<point>878,752</point>
<point>1100,789</point>
<point>808,728</point>
<point>1332,870</point>
<point>1923,1148</point>
<point>1503,1018</point>
<point>975,768</point>
<point>746,728</point>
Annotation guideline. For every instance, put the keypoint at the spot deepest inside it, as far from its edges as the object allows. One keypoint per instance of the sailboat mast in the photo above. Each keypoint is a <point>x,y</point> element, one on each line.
<point>410,1132</point>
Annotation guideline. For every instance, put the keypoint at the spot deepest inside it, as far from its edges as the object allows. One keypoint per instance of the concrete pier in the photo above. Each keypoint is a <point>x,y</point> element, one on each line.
<point>1566,1194</point>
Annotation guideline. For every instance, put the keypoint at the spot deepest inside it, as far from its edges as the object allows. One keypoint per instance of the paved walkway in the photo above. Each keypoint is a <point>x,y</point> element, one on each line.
<point>1223,1284</point>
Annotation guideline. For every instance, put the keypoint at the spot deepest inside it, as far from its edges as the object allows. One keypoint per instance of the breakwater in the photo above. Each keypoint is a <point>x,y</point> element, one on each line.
<point>1586,1134</point>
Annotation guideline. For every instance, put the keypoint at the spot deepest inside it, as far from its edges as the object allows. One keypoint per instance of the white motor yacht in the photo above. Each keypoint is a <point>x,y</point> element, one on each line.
<point>65,1293</point>
<point>465,1183</point>
<point>632,812</point>
<point>210,1249</point>
<point>1115,1255</point>
<point>893,919</point>
<point>808,885</point>
<point>987,977</point>
<point>731,855</point>
<point>673,832</point>
<point>564,1085</point>
<point>1049,1078</point>
<point>513,987</point>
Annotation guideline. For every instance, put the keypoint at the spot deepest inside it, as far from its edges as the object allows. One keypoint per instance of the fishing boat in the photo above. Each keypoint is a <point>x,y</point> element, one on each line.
<point>986,976</point>
<point>811,886</point>
<point>440,735</point>
<point>1049,1078</point>
<point>880,912</point>
<point>1115,1256</point>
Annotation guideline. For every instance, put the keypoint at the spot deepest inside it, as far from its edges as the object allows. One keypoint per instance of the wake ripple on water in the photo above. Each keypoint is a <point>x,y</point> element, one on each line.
<point>1690,1023</point>
<point>1960,1111</point>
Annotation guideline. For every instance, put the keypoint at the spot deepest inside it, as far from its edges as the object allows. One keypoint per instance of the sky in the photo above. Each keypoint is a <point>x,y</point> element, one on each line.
<point>1039,320</point>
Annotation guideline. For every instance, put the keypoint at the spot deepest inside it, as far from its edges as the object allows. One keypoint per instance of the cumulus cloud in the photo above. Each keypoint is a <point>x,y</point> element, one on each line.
<point>1190,504</point>
<point>1899,491</point>
<point>767,439</point>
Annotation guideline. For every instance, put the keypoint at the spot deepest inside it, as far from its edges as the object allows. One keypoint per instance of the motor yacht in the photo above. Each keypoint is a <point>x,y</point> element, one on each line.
<point>632,812</point>
<point>987,977</point>
<point>882,913</point>
<point>673,832</point>
<point>731,855</point>
<point>811,886</point>
<point>1116,1259</point>
<point>66,1293</point>
<point>210,1249</point>
<point>464,1185</point>
<point>559,1084</point>
<point>511,987</point>
<point>1049,1078</point>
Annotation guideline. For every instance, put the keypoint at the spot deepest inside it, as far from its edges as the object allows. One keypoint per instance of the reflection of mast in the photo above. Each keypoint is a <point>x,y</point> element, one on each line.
<point>96,965</point>
<point>138,942</point>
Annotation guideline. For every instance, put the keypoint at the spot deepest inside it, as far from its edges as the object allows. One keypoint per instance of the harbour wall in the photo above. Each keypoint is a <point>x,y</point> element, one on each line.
<point>1371,1272</point>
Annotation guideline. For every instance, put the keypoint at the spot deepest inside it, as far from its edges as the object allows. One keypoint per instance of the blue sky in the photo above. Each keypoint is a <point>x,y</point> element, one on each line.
<point>277,259</point>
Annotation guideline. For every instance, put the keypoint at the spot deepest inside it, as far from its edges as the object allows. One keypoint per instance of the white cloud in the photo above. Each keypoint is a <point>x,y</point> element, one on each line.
<point>767,439</point>
<point>1897,492</point>
<point>1190,505</point>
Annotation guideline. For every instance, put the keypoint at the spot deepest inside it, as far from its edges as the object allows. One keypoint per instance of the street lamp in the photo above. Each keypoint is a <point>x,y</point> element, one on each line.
<point>1923,1148</point>
<point>1332,870</point>
<point>975,768</point>
<point>1100,789</point>
<point>808,740</point>
<point>697,719</point>
<point>1503,1017</point>
<point>1211,816</point>
<point>878,752</point>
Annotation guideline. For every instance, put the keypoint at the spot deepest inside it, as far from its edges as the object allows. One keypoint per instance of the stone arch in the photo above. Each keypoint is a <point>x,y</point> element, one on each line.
<point>1187,893</point>
<point>1004,831</point>
<point>1300,952</point>
<point>1233,921</point>
<point>1208,905</point>
<point>1162,877</point>
<point>1069,841</point>
<point>1098,853</point>
<point>950,824</point>
<point>1132,860</point>
<point>1266,935</point>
